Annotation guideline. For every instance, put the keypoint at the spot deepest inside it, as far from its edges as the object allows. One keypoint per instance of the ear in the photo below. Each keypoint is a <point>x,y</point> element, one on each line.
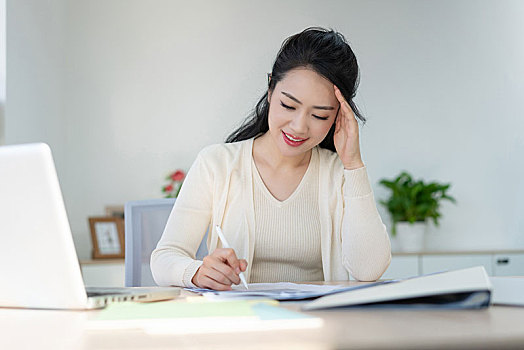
<point>269,94</point>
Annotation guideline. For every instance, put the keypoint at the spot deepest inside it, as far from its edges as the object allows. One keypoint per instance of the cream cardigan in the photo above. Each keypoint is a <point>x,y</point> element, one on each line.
<point>218,190</point>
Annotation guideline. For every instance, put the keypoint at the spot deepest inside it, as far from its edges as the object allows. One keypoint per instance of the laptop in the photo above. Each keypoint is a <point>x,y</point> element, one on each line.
<point>39,267</point>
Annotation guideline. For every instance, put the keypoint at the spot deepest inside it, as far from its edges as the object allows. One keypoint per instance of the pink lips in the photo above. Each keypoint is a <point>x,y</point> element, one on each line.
<point>291,142</point>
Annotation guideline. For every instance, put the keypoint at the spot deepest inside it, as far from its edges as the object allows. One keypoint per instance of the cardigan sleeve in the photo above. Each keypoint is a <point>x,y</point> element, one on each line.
<point>173,261</point>
<point>366,249</point>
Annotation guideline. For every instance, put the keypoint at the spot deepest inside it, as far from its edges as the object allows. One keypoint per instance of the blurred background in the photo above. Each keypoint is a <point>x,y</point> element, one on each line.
<point>126,91</point>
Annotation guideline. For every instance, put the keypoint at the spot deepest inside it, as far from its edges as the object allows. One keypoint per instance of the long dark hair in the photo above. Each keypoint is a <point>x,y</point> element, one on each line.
<point>323,50</point>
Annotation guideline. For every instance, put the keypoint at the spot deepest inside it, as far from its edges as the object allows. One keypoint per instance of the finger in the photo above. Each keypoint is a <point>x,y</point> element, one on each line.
<point>343,121</point>
<point>338,123</point>
<point>228,255</point>
<point>338,95</point>
<point>344,105</point>
<point>346,108</point>
<point>227,272</point>
<point>218,276</point>
<point>243,265</point>
<point>203,280</point>
<point>217,264</point>
<point>349,119</point>
<point>341,99</point>
<point>208,282</point>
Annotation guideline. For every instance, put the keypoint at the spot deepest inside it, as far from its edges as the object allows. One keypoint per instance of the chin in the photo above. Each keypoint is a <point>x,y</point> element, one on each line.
<point>288,151</point>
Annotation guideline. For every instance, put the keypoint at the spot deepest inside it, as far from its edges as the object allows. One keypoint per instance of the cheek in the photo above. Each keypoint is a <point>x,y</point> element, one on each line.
<point>276,118</point>
<point>324,129</point>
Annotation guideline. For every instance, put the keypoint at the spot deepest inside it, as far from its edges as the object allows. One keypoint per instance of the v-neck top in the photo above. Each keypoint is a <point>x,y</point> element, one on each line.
<point>287,233</point>
<point>218,191</point>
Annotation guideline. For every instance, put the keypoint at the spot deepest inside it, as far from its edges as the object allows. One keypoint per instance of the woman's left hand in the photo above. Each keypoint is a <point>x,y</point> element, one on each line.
<point>346,135</point>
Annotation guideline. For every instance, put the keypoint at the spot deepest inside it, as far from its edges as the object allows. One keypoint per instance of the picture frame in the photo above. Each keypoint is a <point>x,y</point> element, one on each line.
<point>107,235</point>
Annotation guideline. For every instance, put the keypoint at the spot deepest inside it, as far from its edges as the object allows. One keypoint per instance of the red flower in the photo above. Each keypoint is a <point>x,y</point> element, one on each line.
<point>178,175</point>
<point>168,188</point>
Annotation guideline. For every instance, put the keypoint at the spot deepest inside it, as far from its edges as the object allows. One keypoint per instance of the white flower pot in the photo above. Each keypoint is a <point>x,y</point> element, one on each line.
<point>411,237</point>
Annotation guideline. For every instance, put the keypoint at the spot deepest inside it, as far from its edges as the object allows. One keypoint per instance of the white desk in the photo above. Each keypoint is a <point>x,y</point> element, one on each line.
<point>497,327</point>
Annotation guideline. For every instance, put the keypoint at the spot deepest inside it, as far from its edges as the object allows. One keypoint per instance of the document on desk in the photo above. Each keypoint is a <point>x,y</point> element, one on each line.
<point>282,291</point>
<point>199,315</point>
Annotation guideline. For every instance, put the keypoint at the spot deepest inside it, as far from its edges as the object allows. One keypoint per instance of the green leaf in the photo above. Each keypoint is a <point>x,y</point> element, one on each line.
<point>412,201</point>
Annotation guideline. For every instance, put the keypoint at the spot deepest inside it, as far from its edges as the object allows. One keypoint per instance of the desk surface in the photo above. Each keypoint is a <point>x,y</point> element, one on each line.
<point>497,326</point>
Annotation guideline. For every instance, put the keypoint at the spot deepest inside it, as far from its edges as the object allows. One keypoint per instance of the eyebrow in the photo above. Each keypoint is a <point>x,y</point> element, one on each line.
<point>297,101</point>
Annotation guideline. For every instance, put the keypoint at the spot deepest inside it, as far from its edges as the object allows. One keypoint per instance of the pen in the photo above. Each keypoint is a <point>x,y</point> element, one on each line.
<point>226,245</point>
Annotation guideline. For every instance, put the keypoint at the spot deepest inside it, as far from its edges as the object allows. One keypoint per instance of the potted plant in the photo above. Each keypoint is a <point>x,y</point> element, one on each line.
<point>411,205</point>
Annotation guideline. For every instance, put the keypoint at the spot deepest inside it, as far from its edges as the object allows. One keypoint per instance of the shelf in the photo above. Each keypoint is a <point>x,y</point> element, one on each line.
<point>458,252</point>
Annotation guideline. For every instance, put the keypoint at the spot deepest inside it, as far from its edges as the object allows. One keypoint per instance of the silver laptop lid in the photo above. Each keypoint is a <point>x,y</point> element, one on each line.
<point>38,263</point>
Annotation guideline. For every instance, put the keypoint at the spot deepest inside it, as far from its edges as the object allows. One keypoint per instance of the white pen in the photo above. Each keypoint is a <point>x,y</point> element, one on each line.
<point>226,245</point>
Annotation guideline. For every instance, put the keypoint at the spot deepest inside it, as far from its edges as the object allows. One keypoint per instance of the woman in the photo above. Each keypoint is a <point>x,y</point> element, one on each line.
<point>289,188</point>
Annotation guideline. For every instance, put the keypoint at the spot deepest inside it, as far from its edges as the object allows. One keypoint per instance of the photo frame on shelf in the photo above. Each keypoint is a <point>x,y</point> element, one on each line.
<point>107,235</point>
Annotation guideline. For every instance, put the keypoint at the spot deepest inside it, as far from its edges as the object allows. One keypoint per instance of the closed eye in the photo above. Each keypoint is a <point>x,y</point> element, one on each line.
<point>286,106</point>
<point>293,108</point>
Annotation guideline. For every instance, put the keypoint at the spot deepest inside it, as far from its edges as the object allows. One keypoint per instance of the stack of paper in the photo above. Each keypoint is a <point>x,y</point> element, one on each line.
<point>201,316</point>
<point>283,291</point>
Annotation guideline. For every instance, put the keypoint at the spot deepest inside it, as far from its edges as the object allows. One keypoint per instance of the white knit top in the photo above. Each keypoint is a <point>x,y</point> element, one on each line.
<point>218,190</point>
<point>287,233</point>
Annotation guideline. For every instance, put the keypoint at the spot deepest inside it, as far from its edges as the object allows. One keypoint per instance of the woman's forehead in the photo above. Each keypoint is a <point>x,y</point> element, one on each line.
<point>308,85</point>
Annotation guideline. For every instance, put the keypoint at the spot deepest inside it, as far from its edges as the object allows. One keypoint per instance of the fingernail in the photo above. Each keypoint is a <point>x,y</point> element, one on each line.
<point>237,270</point>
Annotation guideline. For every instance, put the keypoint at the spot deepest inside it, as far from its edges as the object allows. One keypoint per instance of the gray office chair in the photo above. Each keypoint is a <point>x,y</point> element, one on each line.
<point>144,224</point>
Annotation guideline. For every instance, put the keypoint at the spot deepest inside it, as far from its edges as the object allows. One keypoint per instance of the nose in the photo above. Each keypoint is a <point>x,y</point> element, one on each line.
<point>299,124</point>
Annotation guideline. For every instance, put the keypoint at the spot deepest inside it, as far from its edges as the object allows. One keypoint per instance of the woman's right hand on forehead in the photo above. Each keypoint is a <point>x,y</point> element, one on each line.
<point>220,270</point>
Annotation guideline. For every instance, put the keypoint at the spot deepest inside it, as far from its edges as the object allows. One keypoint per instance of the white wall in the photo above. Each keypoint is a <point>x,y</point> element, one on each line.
<point>35,75</point>
<point>2,70</point>
<point>126,91</point>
